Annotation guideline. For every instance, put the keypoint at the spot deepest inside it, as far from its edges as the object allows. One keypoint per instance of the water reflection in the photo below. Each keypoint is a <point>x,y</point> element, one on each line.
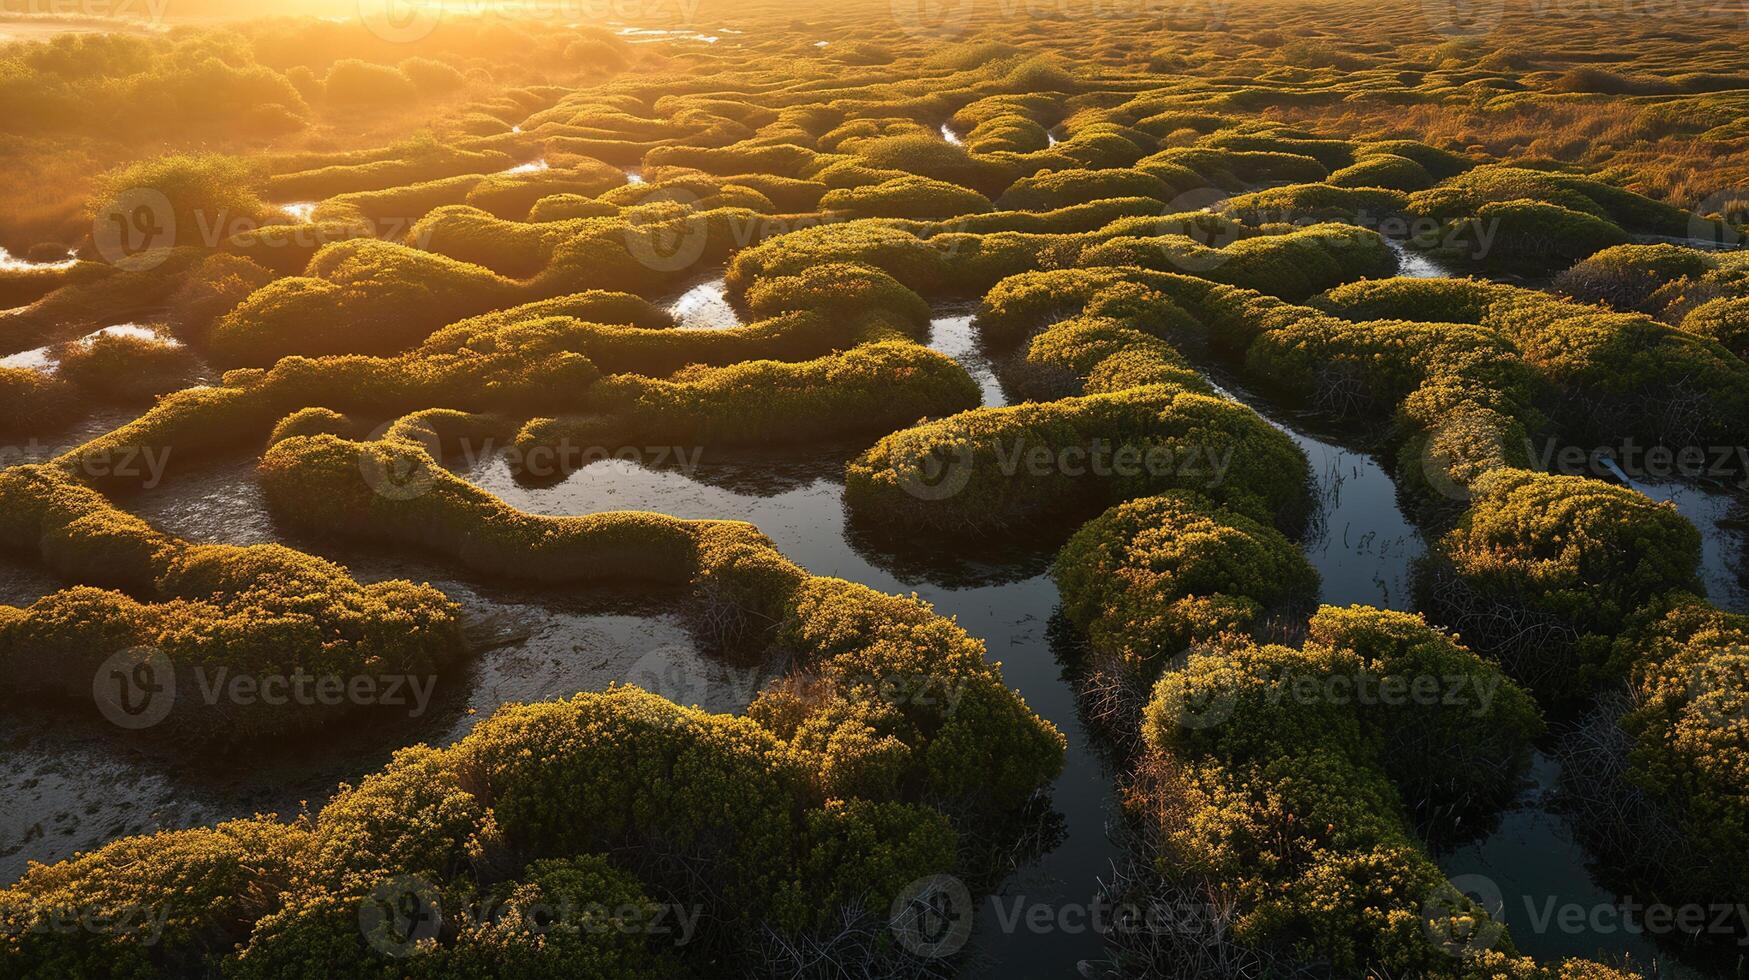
<point>705,306</point>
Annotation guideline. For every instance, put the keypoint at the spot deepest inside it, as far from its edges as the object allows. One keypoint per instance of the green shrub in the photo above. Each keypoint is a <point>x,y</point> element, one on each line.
<point>1691,679</point>
<point>998,467</point>
<point>1235,170</point>
<point>1724,321</point>
<point>211,289</point>
<point>429,76</point>
<point>1064,188</point>
<point>1151,577</point>
<point>513,195</point>
<point>353,82</point>
<point>362,296</point>
<point>1283,796</point>
<point>1384,170</point>
<point>1584,553</point>
<point>1527,235</point>
<point>35,402</point>
<point>1438,163</point>
<point>207,194</point>
<point>177,900</point>
<point>1626,276</point>
<point>126,368</point>
<point>918,198</point>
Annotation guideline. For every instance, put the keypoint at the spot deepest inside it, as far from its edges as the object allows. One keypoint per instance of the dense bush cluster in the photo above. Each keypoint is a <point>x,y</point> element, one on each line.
<point>263,610</point>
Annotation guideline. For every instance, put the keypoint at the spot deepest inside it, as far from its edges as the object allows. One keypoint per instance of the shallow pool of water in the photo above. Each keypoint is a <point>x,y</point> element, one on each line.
<point>1415,264</point>
<point>47,358</point>
<point>13,263</point>
<point>1720,516</point>
<point>705,306</point>
<point>1362,545</point>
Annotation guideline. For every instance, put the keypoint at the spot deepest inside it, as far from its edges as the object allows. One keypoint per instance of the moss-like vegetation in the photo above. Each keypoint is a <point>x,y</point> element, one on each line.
<point>1291,805</point>
<point>1152,577</point>
<point>257,611</point>
<point>127,368</point>
<point>920,198</point>
<point>35,402</point>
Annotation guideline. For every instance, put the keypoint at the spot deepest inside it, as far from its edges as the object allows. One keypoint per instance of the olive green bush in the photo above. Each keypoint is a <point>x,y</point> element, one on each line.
<point>1287,807</point>
<point>361,296</point>
<point>127,368</point>
<point>919,198</point>
<point>35,402</point>
<point>1154,576</point>
<point>261,610</point>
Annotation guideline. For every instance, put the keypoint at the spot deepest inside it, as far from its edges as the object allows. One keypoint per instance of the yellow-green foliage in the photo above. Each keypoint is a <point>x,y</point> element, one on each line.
<point>207,194</point>
<point>1724,321</point>
<point>511,195</point>
<point>875,387</point>
<point>361,296</point>
<point>1583,551</point>
<point>330,484</point>
<point>919,198</point>
<point>212,288</point>
<point>1609,373</point>
<point>1690,733</point>
<point>1471,192</point>
<point>1152,576</point>
<point>1007,463</point>
<point>179,901</point>
<point>1286,797</point>
<point>1062,188</point>
<point>127,368</point>
<point>35,402</point>
<point>518,304</point>
<point>1528,235</point>
<point>411,163</point>
<point>254,611</point>
<point>1626,276</point>
<point>1384,170</point>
